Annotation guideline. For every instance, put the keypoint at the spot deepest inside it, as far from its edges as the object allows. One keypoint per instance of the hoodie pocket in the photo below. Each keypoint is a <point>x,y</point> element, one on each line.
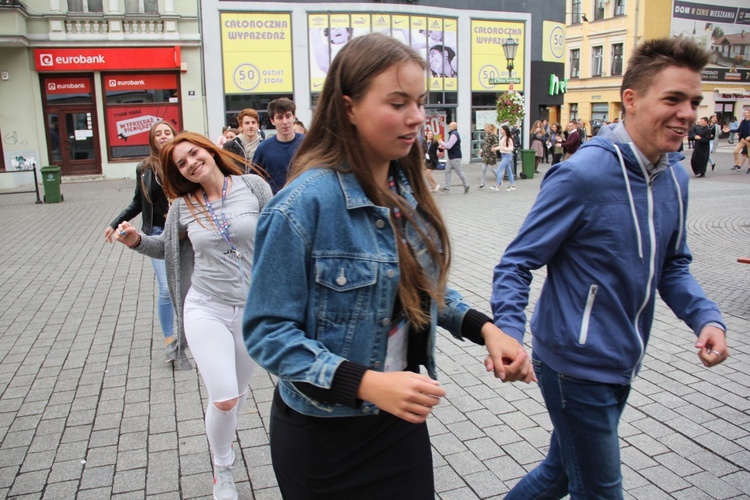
<point>590,298</point>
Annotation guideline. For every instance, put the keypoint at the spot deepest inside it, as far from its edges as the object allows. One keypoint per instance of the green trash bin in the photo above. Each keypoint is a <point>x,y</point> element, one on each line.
<point>527,163</point>
<point>51,182</point>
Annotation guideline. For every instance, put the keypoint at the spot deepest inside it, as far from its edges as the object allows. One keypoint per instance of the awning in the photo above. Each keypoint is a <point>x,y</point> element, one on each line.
<point>732,91</point>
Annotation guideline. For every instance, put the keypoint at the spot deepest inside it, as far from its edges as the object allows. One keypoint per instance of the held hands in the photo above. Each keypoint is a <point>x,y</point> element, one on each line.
<point>507,358</point>
<point>126,234</point>
<point>407,395</point>
<point>712,346</point>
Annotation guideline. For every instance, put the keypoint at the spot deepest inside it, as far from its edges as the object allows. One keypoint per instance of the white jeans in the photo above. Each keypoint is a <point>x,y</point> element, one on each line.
<point>214,334</point>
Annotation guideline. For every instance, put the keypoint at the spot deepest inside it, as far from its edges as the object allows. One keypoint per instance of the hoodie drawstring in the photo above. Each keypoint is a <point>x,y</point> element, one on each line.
<point>682,212</point>
<point>632,202</point>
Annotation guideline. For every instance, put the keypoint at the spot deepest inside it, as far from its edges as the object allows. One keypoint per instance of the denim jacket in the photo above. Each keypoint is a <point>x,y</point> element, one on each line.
<point>325,280</point>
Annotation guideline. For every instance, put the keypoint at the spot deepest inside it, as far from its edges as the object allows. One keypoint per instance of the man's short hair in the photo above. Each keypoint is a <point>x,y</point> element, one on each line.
<point>247,112</point>
<point>653,56</point>
<point>281,105</point>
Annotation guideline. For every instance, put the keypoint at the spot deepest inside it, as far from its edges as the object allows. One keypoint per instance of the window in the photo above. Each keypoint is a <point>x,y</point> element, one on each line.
<point>85,6</point>
<point>576,12</point>
<point>619,7</point>
<point>599,9</point>
<point>133,102</point>
<point>596,61</point>
<point>573,112</point>
<point>141,6</point>
<point>616,59</point>
<point>575,63</point>
<point>599,111</point>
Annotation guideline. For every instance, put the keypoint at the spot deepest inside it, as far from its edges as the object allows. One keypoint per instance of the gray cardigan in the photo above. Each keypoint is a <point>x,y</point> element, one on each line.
<point>178,253</point>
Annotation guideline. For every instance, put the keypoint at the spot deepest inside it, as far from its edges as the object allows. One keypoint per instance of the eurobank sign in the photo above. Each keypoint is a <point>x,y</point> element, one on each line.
<point>106,59</point>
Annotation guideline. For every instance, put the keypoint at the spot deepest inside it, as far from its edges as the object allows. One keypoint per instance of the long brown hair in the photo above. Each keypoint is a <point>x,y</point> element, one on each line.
<point>152,161</point>
<point>333,142</point>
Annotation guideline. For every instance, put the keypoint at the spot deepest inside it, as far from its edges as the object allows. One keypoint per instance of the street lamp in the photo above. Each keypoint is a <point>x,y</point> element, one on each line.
<point>510,46</point>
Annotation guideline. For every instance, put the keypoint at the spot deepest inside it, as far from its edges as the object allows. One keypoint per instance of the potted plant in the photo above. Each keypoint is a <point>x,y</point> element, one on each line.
<point>510,108</point>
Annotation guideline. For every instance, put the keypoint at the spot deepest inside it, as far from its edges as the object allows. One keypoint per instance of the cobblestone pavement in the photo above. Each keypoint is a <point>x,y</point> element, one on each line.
<point>89,410</point>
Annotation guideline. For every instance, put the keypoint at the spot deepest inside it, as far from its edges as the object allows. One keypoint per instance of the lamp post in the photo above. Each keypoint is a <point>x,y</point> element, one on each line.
<point>510,46</point>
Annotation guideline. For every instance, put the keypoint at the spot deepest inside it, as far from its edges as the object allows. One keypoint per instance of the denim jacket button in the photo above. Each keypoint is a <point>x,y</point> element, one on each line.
<point>391,273</point>
<point>380,223</point>
<point>385,322</point>
<point>376,364</point>
<point>366,409</point>
<point>341,281</point>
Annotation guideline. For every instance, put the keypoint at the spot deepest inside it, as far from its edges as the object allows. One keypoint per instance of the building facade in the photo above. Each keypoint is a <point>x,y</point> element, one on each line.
<point>82,81</point>
<point>601,35</point>
<point>259,51</point>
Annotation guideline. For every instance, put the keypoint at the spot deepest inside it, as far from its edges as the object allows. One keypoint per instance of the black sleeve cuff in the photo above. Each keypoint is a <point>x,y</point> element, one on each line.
<point>344,388</point>
<point>471,327</point>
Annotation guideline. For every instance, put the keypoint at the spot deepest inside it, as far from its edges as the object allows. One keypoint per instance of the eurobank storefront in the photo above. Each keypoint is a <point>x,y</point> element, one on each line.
<point>256,52</point>
<point>81,83</point>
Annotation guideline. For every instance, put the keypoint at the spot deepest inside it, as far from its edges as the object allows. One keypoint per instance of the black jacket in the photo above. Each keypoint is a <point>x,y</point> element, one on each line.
<point>154,211</point>
<point>432,152</point>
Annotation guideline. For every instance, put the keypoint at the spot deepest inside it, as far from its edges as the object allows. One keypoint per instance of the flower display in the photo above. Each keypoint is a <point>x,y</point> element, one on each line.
<point>510,108</point>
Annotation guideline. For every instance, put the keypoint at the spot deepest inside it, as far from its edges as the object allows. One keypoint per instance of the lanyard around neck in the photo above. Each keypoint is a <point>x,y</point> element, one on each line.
<point>224,226</point>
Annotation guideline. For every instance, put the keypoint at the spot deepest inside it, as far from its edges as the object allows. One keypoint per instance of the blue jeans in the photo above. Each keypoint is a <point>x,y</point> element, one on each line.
<point>505,166</point>
<point>164,304</point>
<point>584,452</point>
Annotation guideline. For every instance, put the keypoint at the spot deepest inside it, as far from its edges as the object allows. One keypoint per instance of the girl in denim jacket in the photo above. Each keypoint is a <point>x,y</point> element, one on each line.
<point>349,285</point>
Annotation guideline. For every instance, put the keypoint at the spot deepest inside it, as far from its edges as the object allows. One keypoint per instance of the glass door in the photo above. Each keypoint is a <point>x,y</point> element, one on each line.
<point>72,140</point>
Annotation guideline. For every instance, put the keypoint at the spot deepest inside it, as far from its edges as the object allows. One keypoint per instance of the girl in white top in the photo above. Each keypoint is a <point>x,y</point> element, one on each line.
<point>208,245</point>
<point>506,151</point>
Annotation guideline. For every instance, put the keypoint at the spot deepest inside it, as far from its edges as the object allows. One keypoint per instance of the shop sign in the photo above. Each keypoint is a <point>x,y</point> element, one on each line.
<point>102,59</point>
<point>557,86</point>
<point>67,86</point>
<point>488,63</point>
<point>129,126</point>
<point>257,52</point>
<point>116,83</point>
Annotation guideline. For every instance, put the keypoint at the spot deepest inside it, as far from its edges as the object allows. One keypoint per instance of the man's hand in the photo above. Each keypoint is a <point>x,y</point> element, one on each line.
<point>507,358</point>
<point>712,346</point>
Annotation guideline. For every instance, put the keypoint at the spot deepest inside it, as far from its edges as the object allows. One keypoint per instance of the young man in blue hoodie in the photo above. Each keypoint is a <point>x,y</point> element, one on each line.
<point>609,224</point>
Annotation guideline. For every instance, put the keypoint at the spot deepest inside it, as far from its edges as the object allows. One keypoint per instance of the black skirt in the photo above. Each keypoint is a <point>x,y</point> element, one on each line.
<point>369,457</point>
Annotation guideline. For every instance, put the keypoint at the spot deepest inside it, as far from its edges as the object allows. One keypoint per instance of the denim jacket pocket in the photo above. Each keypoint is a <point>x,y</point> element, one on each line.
<point>345,288</point>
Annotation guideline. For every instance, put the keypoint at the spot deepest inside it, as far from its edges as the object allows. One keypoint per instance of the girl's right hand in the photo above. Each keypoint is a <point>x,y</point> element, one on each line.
<point>126,234</point>
<point>407,395</point>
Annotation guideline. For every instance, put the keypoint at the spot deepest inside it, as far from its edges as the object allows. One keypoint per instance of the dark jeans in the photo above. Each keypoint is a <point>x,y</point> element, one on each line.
<point>584,453</point>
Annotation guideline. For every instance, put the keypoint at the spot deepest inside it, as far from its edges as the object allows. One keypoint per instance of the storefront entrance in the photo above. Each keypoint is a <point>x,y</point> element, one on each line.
<point>70,122</point>
<point>72,140</point>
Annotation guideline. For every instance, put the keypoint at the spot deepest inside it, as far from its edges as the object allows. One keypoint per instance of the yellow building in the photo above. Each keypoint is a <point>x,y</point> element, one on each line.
<point>601,35</point>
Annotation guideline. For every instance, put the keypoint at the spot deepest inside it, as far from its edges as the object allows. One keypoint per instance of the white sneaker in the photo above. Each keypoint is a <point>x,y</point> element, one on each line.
<point>511,188</point>
<point>224,488</point>
<point>494,188</point>
<point>435,190</point>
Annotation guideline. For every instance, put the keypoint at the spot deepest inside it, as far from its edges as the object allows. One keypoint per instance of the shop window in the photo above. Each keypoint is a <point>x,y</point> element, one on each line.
<point>619,7</point>
<point>599,111</point>
<point>617,58</point>
<point>575,12</point>
<point>85,6</point>
<point>133,103</point>
<point>235,103</point>
<point>599,9</point>
<point>596,61</point>
<point>68,90</point>
<point>575,63</point>
<point>141,6</point>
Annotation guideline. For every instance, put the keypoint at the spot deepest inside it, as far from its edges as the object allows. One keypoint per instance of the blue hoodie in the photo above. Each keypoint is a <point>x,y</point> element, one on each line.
<point>611,233</point>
